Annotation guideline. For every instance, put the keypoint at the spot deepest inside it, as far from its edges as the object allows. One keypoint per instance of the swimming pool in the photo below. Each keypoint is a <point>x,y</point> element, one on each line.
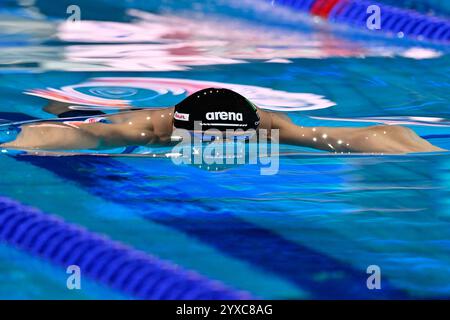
<point>311,230</point>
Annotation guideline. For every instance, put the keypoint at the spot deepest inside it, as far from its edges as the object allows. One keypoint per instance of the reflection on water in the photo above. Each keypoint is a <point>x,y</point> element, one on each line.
<point>152,42</point>
<point>126,92</point>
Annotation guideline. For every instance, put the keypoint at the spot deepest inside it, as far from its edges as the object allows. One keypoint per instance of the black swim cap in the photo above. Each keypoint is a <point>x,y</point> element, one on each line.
<point>216,108</point>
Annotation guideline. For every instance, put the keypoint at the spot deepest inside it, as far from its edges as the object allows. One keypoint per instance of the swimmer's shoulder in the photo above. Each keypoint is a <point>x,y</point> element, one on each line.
<point>143,116</point>
<point>270,120</point>
<point>157,121</point>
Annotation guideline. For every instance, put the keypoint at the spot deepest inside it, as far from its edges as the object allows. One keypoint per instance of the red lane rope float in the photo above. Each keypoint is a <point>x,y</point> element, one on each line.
<point>322,8</point>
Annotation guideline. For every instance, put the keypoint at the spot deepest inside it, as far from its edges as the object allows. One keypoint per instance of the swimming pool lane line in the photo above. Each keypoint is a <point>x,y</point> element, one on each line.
<point>126,225</point>
<point>232,234</point>
<point>398,21</point>
<point>133,272</point>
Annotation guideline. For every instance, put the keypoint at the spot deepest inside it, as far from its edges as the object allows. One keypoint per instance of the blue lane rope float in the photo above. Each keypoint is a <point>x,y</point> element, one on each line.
<point>394,20</point>
<point>426,6</point>
<point>133,272</point>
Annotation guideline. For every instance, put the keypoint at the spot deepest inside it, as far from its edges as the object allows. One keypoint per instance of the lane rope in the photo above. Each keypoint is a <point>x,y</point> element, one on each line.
<point>130,271</point>
<point>399,21</point>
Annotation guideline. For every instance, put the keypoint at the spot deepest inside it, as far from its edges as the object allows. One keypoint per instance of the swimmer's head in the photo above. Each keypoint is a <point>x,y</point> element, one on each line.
<point>216,108</point>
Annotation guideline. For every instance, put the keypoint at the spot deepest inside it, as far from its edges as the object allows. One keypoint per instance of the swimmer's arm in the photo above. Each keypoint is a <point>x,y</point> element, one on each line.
<point>289,133</point>
<point>57,136</point>
<point>374,139</point>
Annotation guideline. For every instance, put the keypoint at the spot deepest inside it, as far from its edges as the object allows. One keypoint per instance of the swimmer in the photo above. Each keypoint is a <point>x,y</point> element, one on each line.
<point>213,108</point>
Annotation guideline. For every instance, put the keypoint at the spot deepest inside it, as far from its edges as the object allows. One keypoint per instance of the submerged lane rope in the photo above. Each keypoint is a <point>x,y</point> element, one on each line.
<point>123,268</point>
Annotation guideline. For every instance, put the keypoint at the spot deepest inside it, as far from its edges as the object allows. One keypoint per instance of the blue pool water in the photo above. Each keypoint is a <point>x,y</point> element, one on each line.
<point>309,231</point>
